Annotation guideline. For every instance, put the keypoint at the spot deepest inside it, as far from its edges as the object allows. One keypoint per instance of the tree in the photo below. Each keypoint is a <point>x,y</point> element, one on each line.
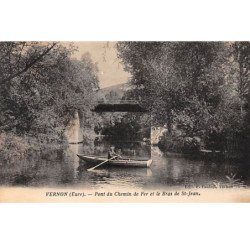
<point>175,78</point>
<point>242,57</point>
<point>42,87</point>
<point>17,58</point>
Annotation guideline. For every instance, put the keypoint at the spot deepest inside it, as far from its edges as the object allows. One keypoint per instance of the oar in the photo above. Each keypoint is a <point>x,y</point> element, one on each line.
<point>90,169</point>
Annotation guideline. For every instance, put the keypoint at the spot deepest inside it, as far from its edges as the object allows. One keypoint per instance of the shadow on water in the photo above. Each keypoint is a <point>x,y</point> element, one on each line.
<point>62,168</point>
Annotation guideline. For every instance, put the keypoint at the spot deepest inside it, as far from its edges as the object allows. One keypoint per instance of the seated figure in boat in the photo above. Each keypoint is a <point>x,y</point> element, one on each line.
<point>112,153</point>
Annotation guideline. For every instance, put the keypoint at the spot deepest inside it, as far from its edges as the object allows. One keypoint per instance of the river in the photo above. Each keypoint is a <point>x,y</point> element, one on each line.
<point>62,168</point>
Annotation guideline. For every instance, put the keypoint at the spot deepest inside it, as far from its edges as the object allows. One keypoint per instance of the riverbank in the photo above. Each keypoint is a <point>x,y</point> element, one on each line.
<point>206,155</point>
<point>14,146</point>
<point>195,147</point>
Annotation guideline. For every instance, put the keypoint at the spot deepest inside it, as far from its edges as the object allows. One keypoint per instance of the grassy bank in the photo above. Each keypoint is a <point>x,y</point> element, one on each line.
<point>14,146</point>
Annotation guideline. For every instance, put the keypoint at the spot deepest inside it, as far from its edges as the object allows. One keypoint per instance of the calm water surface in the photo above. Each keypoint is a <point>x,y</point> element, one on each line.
<point>62,168</point>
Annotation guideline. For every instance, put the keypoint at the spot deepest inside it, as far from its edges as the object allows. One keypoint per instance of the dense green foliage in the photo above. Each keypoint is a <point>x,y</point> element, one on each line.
<point>198,88</point>
<point>41,86</point>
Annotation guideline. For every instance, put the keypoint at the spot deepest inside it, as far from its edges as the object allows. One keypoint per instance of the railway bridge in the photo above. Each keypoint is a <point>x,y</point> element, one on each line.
<point>74,131</point>
<point>119,106</point>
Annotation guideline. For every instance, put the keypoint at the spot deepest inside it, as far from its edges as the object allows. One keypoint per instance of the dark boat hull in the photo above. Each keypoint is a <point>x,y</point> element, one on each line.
<point>116,163</point>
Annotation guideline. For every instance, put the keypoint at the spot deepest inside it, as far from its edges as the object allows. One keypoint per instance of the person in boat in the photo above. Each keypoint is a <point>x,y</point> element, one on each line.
<point>112,153</point>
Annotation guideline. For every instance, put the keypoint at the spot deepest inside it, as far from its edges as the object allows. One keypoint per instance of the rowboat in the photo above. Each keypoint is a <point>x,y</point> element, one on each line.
<point>116,162</point>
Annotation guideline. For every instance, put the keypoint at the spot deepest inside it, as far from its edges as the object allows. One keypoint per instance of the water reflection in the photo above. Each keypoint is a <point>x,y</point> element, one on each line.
<point>136,149</point>
<point>63,168</point>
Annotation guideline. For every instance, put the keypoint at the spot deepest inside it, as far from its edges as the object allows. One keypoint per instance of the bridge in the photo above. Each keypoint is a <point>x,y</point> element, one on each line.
<point>74,132</point>
<point>119,106</point>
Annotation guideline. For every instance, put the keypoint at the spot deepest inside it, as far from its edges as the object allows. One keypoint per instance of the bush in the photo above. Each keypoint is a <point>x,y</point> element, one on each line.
<point>187,145</point>
<point>13,146</point>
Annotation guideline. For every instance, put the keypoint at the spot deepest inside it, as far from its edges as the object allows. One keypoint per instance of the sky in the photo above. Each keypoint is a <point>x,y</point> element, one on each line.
<point>111,70</point>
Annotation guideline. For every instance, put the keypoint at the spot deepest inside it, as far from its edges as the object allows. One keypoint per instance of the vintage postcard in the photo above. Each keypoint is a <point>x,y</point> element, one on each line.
<point>124,121</point>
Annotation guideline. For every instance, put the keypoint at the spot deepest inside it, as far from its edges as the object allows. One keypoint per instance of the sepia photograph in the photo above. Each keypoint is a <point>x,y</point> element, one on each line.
<point>124,124</point>
<point>124,121</point>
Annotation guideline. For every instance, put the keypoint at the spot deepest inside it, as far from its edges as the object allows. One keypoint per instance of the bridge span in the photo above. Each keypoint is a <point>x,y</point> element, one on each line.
<point>119,106</point>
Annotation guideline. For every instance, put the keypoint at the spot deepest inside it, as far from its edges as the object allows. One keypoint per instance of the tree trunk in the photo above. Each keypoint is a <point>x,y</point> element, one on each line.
<point>170,123</point>
<point>247,146</point>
